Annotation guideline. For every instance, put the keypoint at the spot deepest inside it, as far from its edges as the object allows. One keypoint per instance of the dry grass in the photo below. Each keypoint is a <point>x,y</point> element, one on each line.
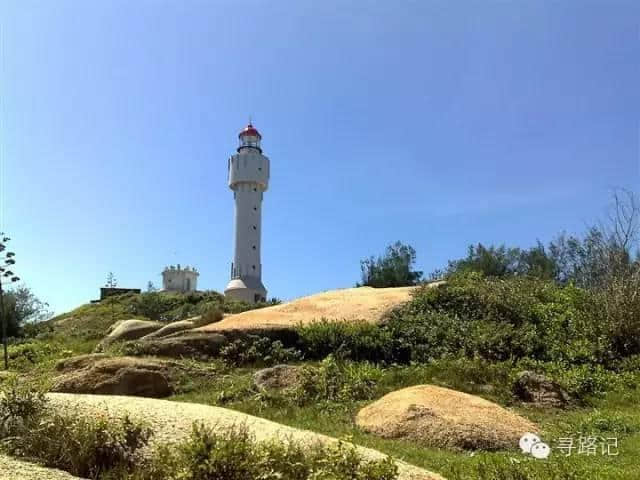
<point>440,417</point>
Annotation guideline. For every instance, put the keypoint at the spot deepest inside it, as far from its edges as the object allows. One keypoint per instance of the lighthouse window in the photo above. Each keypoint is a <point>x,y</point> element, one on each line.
<point>255,208</point>
<point>253,266</point>
<point>254,227</point>
<point>254,247</point>
<point>255,190</point>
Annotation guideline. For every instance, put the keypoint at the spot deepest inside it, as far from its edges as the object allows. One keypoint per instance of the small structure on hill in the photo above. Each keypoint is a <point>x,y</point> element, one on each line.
<point>177,279</point>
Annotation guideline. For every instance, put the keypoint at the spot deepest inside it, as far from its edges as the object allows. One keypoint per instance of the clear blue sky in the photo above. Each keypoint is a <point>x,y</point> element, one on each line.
<point>436,123</point>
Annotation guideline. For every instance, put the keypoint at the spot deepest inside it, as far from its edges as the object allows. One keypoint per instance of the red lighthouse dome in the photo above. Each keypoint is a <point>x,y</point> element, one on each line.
<point>249,138</point>
<point>250,130</point>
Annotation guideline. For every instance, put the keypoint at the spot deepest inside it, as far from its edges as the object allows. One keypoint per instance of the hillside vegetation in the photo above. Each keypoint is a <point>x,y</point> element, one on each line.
<point>567,314</point>
<point>92,320</point>
<point>473,334</point>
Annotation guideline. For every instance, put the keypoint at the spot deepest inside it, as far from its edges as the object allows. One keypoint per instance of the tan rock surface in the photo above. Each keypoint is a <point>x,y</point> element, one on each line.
<point>171,328</point>
<point>129,330</point>
<point>79,361</point>
<point>188,343</point>
<point>172,421</point>
<point>14,469</point>
<point>440,417</point>
<point>349,304</point>
<point>113,375</point>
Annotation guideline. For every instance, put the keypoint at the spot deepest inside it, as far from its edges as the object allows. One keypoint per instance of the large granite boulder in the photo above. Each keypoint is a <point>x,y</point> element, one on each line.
<point>183,344</point>
<point>535,388</point>
<point>96,374</point>
<point>129,330</point>
<point>79,361</point>
<point>440,417</point>
<point>171,328</point>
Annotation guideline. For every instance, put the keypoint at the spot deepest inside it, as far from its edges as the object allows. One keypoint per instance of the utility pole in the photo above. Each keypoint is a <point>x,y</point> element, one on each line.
<point>7,275</point>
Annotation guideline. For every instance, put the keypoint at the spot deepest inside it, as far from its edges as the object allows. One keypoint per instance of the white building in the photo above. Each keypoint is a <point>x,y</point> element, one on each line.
<point>249,179</point>
<point>176,279</point>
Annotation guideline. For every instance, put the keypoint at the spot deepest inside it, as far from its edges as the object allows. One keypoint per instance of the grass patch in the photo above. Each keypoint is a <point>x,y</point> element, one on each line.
<point>615,410</point>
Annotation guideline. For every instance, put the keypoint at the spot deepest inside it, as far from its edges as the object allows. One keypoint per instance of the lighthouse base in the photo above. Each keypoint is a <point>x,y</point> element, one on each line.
<point>248,289</point>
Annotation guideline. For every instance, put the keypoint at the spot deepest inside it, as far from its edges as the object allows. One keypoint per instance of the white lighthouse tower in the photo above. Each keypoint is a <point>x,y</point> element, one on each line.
<point>249,179</point>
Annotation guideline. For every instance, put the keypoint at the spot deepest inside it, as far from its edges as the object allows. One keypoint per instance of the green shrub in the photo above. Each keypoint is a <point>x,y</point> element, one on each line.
<point>498,319</point>
<point>211,315</point>
<point>630,364</point>
<point>354,340</point>
<point>336,380</point>
<point>607,422</point>
<point>28,353</point>
<point>174,306</point>
<point>583,380</point>
<point>151,305</point>
<point>257,351</point>
<point>81,446</point>
<point>236,455</point>
<point>617,308</point>
<point>20,409</point>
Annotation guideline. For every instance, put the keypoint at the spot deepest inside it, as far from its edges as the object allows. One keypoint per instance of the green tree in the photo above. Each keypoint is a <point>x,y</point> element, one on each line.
<point>505,261</point>
<point>538,262</point>
<point>22,307</point>
<point>393,269</point>
<point>608,251</point>
<point>6,276</point>
<point>491,261</point>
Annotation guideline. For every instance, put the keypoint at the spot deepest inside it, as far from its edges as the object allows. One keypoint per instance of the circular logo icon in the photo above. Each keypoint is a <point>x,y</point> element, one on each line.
<point>540,450</point>
<point>527,441</point>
